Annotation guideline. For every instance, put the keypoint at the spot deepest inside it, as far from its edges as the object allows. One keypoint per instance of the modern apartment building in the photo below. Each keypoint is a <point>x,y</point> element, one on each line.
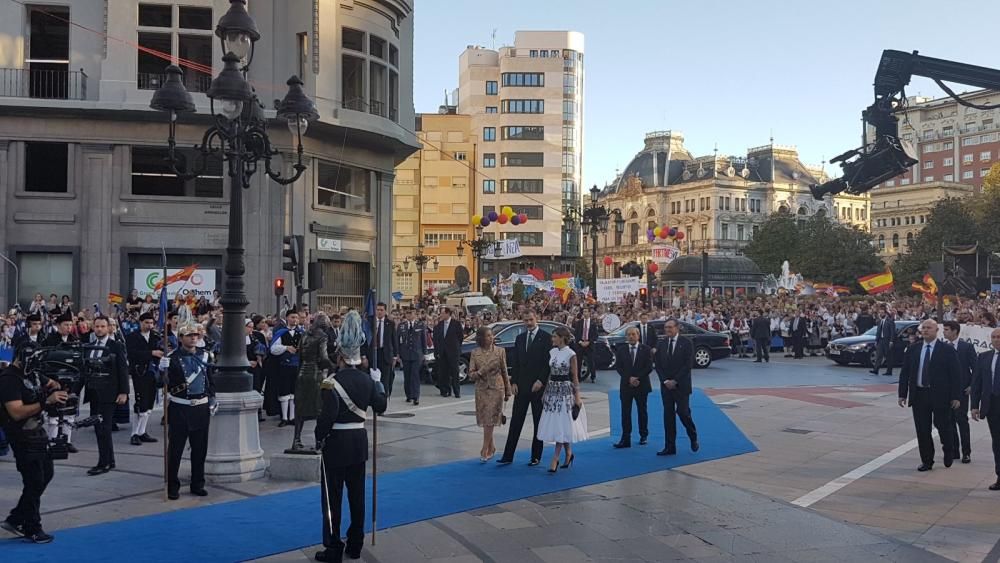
<point>433,199</point>
<point>87,201</point>
<point>526,107</point>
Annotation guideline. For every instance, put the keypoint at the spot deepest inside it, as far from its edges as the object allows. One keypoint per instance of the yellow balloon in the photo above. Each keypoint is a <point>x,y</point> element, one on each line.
<point>476,219</point>
<point>507,211</point>
<point>656,231</point>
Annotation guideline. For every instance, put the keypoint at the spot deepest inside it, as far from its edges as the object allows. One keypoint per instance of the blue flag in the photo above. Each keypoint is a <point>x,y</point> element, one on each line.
<point>369,314</point>
<point>162,321</point>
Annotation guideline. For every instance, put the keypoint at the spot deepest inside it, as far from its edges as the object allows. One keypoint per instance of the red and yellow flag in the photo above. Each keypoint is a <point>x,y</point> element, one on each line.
<point>115,299</point>
<point>182,275</point>
<point>877,283</point>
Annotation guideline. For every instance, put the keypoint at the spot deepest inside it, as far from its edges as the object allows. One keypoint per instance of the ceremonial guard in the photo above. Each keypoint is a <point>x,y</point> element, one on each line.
<point>285,346</point>
<point>341,435</point>
<point>192,397</point>
<point>63,336</point>
<point>144,353</point>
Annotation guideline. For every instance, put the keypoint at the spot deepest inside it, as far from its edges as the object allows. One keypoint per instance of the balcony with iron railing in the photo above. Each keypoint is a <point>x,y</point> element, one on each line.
<point>195,82</point>
<point>43,83</point>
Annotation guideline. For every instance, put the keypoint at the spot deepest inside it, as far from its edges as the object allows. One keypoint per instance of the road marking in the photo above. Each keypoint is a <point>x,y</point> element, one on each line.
<point>599,432</point>
<point>465,402</point>
<point>846,479</point>
<point>733,401</point>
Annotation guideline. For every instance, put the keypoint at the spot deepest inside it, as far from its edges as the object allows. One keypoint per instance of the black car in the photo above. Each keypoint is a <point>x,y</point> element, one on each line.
<point>504,335</point>
<point>861,349</point>
<point>708,346</point>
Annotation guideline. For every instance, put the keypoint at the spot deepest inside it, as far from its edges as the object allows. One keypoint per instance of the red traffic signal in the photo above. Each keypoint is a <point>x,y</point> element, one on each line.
<point>642,292</point>
<point>279,286</point>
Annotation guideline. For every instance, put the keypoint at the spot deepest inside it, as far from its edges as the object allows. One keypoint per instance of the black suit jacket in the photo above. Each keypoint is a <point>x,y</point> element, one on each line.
<point>106,390</point>
<point>651,336</point>
<point>982,384</point>
<point>886,329</point>
<point>590,337</point>
<point>760,328</point>
<point>945,374</point>
<point>967,363</point>
<point>676,367</point>
<point>800,330</point>
<point>389,342</point>
<point>641,369</point>
<point>140,351</point>
<point>448,347</point>
<point>529,365</point>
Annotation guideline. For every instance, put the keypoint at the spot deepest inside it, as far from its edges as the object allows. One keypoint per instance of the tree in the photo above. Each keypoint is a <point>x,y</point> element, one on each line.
<point>518,292</point>
<point>776,241</point>
<point>583,271</point>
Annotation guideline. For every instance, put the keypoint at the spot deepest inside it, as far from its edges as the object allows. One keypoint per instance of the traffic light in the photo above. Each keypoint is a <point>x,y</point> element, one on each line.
<point>279,287</point>
<point>293,247</point>
<point>642,293</point>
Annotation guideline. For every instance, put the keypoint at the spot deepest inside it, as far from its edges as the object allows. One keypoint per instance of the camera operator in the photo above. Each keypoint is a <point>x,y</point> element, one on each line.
<point>62,337</point>
<point>106,388</point>
<point>22,397</point>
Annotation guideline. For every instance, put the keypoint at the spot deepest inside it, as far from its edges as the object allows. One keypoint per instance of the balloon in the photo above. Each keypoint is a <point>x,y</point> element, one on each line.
<point>507,210</point>
<point>653,267</point>
<point>523,217</point>
<point>515,220</point>
<point>657,231</point>
<point>492,215</point>
<point>649,232</point>
<point>476,219</point>
<point>502,219</point>
<point>608,261</point>
<point>484,222</point>
<point>672,231</point>
<point>680,235</point>
<point>664,233</point>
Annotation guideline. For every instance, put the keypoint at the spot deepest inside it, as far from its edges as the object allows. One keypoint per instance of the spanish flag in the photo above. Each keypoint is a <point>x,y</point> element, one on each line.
<point>877,283</point>
<point>182,275</point>
<point>562,285</point>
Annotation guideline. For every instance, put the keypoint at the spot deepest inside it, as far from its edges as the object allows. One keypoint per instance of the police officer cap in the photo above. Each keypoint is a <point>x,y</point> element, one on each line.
<point>147,316</point>
<point>187,328</point>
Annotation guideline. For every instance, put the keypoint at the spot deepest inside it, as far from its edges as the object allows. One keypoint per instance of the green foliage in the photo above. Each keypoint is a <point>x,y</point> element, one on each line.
<point>583,271</point>
<point>518,292</point>
<point>820,249</point>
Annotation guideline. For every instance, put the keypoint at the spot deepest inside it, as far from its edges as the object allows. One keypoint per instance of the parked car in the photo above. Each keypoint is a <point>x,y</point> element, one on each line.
<point>708,346</point>
<point>860,349</point>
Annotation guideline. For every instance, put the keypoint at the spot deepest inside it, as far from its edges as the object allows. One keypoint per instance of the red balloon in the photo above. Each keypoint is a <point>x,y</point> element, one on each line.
<point>653,267</point>
<point>523,217</point>
<point>502,219</point>
<point>608,261</point>
<point>680,235</point>
<point>663,233</point>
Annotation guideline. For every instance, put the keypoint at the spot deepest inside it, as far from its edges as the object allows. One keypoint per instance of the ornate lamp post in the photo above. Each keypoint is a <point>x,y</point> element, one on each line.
<point>480,247</point>
<point>594,219</point>
<point>238,137</point>
<point>421,260</point>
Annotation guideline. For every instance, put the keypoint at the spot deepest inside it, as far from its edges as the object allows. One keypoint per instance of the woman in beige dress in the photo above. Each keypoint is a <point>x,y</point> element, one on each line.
<point>488,369</point>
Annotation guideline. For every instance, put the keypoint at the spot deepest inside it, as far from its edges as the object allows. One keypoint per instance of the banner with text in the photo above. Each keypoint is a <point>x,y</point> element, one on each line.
<point>509,248</point>
<point>613,290</point>
<point>665,253</point>
<point>201,284</point>
<point>977,335</point>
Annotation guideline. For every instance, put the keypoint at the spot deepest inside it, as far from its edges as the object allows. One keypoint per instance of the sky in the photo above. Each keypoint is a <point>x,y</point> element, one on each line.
<point>725,73</point>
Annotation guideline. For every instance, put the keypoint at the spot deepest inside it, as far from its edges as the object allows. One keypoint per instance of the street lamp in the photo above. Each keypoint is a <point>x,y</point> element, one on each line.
<point>421,260</point>
<point>238,137</point>
<point>594,219</point>
<point>481,247</point>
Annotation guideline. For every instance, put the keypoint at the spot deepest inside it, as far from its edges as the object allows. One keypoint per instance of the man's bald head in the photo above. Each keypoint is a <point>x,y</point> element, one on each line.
<point>995,338</point>
<point>929,330</point>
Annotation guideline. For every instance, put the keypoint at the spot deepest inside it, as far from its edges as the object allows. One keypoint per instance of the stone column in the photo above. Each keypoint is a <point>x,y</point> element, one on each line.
<point>383,240</point>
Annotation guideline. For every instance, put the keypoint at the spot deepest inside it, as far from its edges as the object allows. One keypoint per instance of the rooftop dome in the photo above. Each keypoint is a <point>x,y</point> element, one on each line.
<point>720,268</point>
<point>650,165</point>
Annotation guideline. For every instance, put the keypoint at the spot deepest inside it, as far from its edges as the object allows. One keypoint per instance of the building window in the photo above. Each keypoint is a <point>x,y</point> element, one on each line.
<point>970,141</point>
<point>47,57</point>
<point>949,145</point>
<point>533,53</point>
<point>353,39</point>
<point>352,77</point>
<point>967,159</point>
<point>704,231</point>
<point>881,242</point>
<point>377,89</point>
<point>740,232</point>
<point>533,212</point>
<point>523,79</point>
<point>983,172</point>
<point>45,273</point>
<point>967,174</point>
<point>491,87</point>
<point>522,106</point>
<point>985,155</point>
<point>489,186</point>
<point>522,159</point>
<point>522,133</point>
<point>344,187</point>
<point>895,240</point>
<point>460,156</point>
<point>725,231</point>
<point>190,39</point>
<point>949,178</point>
<point>568,163</point>
<point>904,182</point>
<point>489,134</point>
<point>928,164</point>
<point>949,161</point>
<point>153,176</point>
<point>434,239</point>
<point>489,160</point>
<point>929,179</point>
<point>46,167</point>
<point>521,186</point>
<point>491,109</point>
<point>526,239</point>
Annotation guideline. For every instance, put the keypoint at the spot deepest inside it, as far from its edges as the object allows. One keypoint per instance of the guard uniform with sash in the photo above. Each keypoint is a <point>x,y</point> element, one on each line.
<point>340,429</point>
<point>189,384</point>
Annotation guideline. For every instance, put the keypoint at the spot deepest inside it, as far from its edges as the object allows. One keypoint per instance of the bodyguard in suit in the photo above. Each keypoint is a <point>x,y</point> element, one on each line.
<point>647,334</point>
<point>447,351</point>
<point>529,363</point>
<point>985,397</point>
<point>885,337</point>
<point>931,382</point>
<point>106,392</point>
<point>384,343</point>
<point>585,333</point>
<point>760,332</point>
<point>799,331</point>
<point>412,349</point>
<point>967,363</point>
<point>674,360</point>
<point>634,362</point>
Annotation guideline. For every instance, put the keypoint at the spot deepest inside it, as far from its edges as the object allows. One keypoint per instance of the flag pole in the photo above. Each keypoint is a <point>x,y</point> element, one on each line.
<point>374,473</point>
<point>165,344</point>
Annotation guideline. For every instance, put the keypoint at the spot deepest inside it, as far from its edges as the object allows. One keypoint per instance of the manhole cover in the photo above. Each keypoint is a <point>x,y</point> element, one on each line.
<point>399,415</point>
<point>797,431</point>
<point>467,413</point>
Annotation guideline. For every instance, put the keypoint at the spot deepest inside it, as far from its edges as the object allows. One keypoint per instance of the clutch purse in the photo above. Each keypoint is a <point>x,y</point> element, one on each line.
<point>576,411</point>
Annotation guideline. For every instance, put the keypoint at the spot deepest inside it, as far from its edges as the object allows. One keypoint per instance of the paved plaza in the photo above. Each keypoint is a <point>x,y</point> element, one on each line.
<point>834,480</point>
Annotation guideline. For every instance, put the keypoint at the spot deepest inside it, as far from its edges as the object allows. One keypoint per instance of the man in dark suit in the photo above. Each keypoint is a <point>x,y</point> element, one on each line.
<point>931,381</point>
<point>674,359</point>
<point>760,332</point>
<point>106,392</point>
<point>529,363</point>
<point>967,363</point>
<point>447,350</point>
<point>634,364</point>
<point>985,397</point>
<point>864,321</point>
<point>885,337</point>
<point>384,345</point>
<point>585,333</point>
<point>799,330</point>
<point>647,334</point>
<point>412,349</point>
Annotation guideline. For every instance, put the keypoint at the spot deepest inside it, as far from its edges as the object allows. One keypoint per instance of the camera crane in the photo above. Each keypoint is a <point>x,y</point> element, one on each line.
<point>888,156</point>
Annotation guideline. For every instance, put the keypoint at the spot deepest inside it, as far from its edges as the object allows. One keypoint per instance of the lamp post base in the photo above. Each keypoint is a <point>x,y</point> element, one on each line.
<point>234,452</point>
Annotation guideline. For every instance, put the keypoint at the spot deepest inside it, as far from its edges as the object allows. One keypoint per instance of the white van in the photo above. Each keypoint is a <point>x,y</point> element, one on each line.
<point>472,303</point>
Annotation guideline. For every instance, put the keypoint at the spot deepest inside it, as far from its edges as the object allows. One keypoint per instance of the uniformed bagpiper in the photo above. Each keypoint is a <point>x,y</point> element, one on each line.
<point>144,354</point>
<point>285,346</point>
<point>341,435</point>
<point>192,397</point>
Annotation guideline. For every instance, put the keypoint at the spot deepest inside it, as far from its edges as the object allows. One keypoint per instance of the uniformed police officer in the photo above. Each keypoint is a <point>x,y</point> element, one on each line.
<point>340,430</point>
<point>191,395</point>
<point>21,397</point>
<point>412,349</point>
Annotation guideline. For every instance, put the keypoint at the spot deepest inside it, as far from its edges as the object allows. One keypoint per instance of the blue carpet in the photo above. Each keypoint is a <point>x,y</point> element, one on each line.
<point>281,522</point>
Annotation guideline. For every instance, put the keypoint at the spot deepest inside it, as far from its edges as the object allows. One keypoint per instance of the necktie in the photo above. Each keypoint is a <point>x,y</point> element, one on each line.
<point>925,370</point>
<point>633,354</point>
<point>586,329</point>
<point>531,336</point>
<point>670,347</point>
<point>378,335</point>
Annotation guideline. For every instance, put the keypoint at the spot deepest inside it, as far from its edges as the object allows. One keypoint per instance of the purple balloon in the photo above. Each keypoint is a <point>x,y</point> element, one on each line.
<point>649,233</point>
<point>492,215</point>
<point>484,222</point>
<point>672,232</point>
<point>515,220</point>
